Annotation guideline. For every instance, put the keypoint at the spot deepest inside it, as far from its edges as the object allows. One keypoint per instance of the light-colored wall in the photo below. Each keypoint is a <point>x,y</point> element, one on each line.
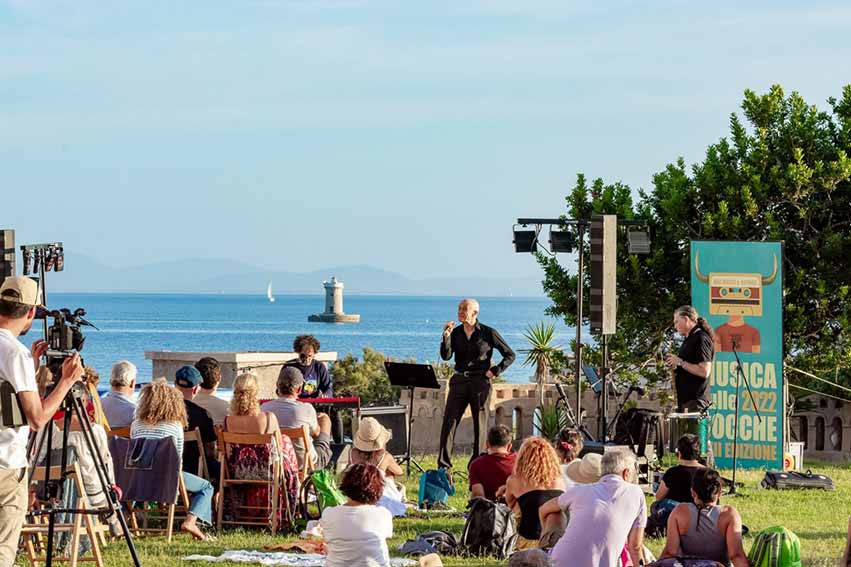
<point>265,365</point>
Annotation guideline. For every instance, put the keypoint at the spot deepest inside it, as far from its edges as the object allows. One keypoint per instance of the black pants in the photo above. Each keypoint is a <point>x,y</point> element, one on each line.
<point>463,391</point>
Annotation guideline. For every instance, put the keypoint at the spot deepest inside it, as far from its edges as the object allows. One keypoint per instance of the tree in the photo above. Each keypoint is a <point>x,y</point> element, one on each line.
<point>366,379</point>
<point>783,174</point>
<point>542,355</point>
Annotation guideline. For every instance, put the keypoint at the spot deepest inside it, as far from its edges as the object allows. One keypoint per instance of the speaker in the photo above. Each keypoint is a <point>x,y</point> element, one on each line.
<point>604,243</point>
<point>600,448</point>
<point>7,253</point>
<point>394,418</point>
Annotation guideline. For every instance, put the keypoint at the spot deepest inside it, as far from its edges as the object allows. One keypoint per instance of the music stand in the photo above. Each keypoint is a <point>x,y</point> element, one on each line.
<point>411,376</point>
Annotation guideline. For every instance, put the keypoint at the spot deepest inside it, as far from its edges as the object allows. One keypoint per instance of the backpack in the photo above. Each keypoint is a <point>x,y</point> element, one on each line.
<point>442,543</point>
<point>435,488</point>
<point>489,529</point>
<point>775,547</point>
<point>321,484</point>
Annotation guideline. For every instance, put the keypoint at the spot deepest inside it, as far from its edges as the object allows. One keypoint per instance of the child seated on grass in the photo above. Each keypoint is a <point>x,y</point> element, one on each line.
<point>356,532</point>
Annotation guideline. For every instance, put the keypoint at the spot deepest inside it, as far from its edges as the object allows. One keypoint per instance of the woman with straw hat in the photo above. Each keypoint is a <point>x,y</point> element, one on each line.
<point>368,447</point>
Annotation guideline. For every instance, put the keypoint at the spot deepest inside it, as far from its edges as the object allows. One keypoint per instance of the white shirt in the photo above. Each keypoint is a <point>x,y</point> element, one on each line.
<point>356,536</point>
<point>16,367</point>
<point>218,408</point>
<point>601,516</point>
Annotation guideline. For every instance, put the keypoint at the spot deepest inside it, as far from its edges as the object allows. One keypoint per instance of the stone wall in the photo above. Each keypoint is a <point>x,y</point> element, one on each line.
<point>825,431</point>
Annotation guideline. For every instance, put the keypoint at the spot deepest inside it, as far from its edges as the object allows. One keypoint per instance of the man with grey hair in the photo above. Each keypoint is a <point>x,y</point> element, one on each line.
<point>293,413</point>
<point>118,404</point>
<point>530,558</point>
<point>472,344</point>
<point>603,516</point>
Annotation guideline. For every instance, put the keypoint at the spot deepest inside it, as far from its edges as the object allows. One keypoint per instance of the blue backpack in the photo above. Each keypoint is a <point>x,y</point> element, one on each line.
<point>435,488</point>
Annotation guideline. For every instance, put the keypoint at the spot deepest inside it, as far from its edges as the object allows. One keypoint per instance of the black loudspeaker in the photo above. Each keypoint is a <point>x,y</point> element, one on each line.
<point>599,448</point>
<point>603,274</point>
<point>7,253</point>
<point>394,418</point>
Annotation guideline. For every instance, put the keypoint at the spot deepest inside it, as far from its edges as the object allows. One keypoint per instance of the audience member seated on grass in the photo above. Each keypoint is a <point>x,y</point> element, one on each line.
<point>161,413</point>
<point>489,472</point>
<point>677,480</point>
<point>529,558</point>
<point>536,479</point>
<point>368,447</point>
<point>603,516</point>
<point>356,532</point>
<point>187,381</point>
<point>293,413</point>
<point>568,446</point>
<point>256,461</point>
<point>579,471</point>
<point>211,376</point>
<point>118,405</point>
<point>703,528</point>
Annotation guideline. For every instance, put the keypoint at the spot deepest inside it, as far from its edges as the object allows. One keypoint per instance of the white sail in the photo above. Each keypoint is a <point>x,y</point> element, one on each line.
<point>269,293</point>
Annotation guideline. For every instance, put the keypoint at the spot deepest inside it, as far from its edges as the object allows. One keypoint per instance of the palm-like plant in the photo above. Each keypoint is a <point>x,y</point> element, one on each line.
<point>542,353</point>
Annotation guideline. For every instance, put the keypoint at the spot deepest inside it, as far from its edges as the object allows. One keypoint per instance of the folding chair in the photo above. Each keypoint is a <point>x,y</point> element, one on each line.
<point>302,433</point>
<point>232,445</point>
<point>35,532</point>
<point>194,436</point>
<point>156,483</point>
<point>118,432</point>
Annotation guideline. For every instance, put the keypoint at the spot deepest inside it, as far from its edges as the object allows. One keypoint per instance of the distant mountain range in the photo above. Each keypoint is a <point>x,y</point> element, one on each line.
<point>85,274</point>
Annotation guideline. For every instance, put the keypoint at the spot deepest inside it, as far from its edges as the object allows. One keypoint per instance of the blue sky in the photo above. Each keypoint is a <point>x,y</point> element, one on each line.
<point>300,134</point>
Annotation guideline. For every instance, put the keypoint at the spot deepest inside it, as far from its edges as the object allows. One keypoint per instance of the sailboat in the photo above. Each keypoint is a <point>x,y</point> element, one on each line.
<point>269,293</point>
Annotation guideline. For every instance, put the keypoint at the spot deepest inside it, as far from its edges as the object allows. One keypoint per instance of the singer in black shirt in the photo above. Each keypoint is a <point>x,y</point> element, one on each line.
<point>472,344</point>
<point>693,363</point>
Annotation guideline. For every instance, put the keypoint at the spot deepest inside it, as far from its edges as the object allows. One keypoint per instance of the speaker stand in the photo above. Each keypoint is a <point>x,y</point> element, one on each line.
<point>408,460</point>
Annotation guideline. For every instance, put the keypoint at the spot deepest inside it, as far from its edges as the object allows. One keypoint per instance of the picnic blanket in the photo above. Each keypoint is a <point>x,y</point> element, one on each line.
<point>279,558</point>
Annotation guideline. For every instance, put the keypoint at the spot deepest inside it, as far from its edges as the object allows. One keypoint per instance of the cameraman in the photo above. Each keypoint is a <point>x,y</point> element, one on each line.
<point>19,298</point>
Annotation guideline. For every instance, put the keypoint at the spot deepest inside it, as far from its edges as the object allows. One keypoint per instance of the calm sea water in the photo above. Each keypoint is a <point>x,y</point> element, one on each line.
<point>400,327</point>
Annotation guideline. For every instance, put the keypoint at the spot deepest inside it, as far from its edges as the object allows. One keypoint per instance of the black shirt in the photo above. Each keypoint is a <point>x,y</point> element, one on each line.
<point>317,380</point>
<point>698,347</point>
<point>200,419</point>
<point>678,480</point>
<point>474,354</point>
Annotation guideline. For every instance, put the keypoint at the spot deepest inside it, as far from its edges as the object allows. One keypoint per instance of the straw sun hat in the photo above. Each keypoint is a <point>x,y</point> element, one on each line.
<point>371,436</point>
<point>586,470</point>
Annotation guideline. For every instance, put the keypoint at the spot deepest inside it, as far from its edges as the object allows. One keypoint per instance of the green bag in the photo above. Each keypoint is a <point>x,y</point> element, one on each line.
<point>775,547</point>
<point>319,491</point>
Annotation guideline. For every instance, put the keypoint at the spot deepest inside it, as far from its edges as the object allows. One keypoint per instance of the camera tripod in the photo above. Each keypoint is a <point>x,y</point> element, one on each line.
<point>73,405</point>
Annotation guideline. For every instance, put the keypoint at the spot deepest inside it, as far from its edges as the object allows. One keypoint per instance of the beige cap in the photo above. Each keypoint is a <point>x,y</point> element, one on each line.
<point>371,436</point>
<point>21,289</point>
<point>586,470</point>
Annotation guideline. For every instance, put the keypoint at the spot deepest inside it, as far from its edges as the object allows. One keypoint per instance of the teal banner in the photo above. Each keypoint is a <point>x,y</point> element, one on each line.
<point>738,288</point>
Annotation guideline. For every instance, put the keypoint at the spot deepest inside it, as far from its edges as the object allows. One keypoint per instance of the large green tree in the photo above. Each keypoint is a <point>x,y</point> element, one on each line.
<point>782,174</point>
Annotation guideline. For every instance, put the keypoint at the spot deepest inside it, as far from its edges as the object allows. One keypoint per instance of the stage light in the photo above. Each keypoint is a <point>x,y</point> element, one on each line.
<point>639,241</point>
<point>561,241</point>
<point>525,241</point>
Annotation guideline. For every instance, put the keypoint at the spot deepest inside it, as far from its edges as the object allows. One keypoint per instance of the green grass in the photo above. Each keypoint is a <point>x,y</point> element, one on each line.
<point>818,518</point>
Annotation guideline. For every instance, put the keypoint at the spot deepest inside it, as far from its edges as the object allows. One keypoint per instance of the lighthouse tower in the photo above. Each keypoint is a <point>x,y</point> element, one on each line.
<point>333,305</point>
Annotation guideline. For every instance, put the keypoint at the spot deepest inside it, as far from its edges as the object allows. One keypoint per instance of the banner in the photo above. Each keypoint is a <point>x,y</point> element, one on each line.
<point>738,288</point>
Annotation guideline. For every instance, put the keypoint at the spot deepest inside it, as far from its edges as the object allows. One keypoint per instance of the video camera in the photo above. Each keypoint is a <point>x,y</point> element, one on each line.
<point>64,335</point>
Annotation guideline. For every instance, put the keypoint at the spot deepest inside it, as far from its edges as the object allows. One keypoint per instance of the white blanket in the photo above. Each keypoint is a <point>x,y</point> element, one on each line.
<point>279,558</point>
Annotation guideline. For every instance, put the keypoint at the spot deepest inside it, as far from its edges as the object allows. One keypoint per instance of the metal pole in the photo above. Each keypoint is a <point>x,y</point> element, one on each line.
<point>604,397</point>
<point>580,292</point>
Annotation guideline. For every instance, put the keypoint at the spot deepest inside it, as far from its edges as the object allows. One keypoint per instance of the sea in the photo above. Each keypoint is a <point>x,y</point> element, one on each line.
<point>400,327</point>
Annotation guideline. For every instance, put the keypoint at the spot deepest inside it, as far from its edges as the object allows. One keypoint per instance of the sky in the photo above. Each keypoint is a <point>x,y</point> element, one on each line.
<point>299,134</point>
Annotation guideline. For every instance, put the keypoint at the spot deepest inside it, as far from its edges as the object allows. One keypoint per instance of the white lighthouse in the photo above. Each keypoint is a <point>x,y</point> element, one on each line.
<point>334,305</point>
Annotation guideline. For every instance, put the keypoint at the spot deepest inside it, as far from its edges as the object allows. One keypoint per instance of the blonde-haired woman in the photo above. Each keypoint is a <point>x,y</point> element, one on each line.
<point>252,461</point>
<point>535,480</point>
<point>160,414</point>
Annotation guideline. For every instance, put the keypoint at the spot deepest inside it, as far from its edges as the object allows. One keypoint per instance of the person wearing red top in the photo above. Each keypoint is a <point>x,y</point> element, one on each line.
<point>489,471</point>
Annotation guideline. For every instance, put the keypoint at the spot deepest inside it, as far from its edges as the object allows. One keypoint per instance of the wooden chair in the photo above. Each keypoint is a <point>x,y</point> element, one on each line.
<point>227,481</point>
<point>194,436</point>
<point>35,532</point>
<point>159,512</point>
<point>302,433</point>
<point>118,432</point>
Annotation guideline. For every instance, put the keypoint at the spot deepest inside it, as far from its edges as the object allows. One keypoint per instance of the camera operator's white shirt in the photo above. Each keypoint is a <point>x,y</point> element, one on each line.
<point>16,367</point>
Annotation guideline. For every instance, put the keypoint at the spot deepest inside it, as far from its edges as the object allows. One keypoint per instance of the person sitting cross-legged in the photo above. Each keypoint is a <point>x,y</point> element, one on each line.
<point>536,479</point>
<point>603,516</point>
<point>293,413</point>
<point>703,528</point>
<point>489,472</point>
<point>356,532</point>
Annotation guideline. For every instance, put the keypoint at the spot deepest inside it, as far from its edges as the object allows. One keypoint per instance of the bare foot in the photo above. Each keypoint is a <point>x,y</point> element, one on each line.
<point>192,529</point>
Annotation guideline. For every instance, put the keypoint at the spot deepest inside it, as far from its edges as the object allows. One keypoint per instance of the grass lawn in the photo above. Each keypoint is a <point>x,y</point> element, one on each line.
<point>818,518</point>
